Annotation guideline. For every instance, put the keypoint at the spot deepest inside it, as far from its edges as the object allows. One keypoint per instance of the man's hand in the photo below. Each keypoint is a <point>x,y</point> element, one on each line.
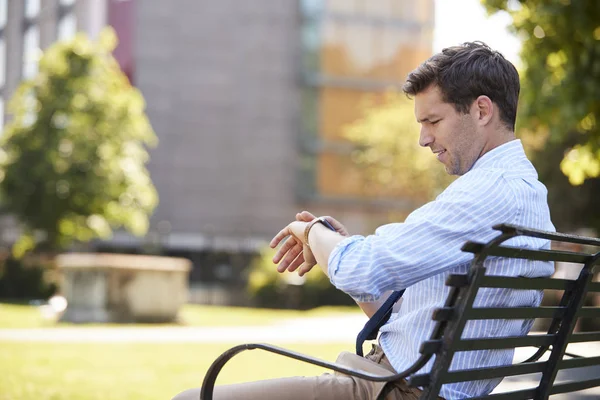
<point>293,253</point>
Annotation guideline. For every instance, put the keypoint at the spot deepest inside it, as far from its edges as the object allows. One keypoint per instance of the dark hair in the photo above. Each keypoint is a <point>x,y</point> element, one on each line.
<point>466,72</point>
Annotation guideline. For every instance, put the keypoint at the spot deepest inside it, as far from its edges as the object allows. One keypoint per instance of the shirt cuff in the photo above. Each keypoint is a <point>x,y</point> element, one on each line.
<point>335,261</point>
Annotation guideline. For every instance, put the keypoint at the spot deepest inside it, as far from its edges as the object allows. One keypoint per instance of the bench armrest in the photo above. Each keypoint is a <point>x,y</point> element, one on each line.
<point>206,392</point>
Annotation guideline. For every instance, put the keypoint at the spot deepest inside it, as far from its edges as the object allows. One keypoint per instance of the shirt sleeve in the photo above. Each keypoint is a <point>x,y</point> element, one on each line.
<point>429,242</point>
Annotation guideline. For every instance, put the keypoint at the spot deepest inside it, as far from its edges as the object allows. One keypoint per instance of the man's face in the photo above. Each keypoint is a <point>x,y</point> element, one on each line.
<point>452,136</point>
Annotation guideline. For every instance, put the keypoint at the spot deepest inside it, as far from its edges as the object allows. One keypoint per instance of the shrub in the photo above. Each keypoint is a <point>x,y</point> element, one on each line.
<point>25,279</point>
<point>270,289</point>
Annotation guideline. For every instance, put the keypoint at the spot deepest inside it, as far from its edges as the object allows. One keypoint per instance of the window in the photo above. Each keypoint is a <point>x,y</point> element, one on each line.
<point>2,61</point>
<point>31,42</point>
<point>32,8</point>
<point>67,26</point>
<point>352,50</point>
<point>67,21</point>
<point>3,12</point>
<point>1,114</point>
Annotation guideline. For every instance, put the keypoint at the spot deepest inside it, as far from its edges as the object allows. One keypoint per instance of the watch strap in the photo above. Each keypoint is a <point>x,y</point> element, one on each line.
<point>310,225</point>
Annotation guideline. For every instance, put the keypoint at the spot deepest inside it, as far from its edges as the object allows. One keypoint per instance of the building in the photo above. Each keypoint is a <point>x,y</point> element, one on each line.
<point>248,100</point>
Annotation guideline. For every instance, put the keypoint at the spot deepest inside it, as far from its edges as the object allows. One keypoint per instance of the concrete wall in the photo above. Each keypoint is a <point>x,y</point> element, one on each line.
<point>220,83</point>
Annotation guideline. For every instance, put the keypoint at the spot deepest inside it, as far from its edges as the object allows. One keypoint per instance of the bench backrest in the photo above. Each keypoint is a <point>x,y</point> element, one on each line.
<point>458,310</point>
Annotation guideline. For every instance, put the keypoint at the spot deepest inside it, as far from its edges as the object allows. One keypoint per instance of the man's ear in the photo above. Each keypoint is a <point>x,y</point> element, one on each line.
<point>484,107</point>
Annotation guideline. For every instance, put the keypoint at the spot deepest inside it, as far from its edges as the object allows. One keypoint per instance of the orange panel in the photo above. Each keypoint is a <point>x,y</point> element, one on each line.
<point>375,52</point>
<point>338,108</point>
<point>338,175</point>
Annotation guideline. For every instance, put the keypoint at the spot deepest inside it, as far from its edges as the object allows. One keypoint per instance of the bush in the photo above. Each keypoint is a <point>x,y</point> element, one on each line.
<point>270,289</point>
<point>22,279</point>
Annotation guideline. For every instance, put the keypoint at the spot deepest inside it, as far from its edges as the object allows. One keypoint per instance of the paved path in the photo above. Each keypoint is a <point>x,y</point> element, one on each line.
<point>313,330</point>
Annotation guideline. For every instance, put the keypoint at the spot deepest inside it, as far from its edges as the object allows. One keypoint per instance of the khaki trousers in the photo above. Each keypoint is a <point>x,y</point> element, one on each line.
<point>322,387</point>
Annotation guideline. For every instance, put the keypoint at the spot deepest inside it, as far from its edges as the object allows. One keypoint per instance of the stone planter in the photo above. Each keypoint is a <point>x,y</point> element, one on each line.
<point>122,288</point>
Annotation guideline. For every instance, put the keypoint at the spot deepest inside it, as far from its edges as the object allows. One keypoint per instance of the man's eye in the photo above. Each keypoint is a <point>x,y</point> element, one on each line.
<point>435,122</point>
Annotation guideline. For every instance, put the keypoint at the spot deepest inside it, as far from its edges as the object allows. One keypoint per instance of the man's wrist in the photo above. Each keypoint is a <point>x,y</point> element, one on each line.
<point>319,220</point>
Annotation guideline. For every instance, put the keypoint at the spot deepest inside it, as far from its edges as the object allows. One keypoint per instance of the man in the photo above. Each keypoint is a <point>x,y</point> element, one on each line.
<point>466,102</point>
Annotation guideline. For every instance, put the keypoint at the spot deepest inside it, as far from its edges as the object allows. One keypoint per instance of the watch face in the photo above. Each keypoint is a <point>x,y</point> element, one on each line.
<point>326,223</point>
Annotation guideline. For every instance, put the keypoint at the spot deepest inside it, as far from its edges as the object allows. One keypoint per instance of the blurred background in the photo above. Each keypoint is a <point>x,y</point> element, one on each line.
<point>151,149</point>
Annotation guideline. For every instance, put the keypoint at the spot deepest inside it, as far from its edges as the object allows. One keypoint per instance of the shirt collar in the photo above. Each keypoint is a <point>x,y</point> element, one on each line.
<point>501,156</point>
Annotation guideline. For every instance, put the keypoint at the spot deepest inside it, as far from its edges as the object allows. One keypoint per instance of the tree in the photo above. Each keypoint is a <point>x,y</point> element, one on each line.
<point>559,106</point>
<point>388,152</point>
<point>561,76</point>
<point>72,159</point>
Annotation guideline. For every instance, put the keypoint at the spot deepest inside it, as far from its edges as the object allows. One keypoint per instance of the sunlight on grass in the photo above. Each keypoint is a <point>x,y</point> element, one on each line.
<point>56,371</point>
<point>111,371</point>
<point>28,316</point>
<point>21,316</point>
<point>198,315</point>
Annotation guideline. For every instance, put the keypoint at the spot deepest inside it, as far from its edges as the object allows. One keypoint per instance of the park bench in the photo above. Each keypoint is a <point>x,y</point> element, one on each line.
<point>548,360</point>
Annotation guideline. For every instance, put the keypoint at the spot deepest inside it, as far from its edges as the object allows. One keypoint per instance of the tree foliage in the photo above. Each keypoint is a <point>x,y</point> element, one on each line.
<point>560,76</point>
<point>72,159</point>
<point>388,152</point>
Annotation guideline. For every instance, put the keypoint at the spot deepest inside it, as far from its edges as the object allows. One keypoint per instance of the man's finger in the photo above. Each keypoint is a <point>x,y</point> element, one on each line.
<point>309,257</point>
<point>305,216</point>
<point>299,260</point>
<point>279,237</point>
<point>339,228</point>
<point>304,268</point>
<point>287,245</point>
<point>289,258</point>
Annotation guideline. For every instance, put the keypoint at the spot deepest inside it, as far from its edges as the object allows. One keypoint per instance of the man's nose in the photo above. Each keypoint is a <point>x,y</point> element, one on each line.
<point>425,138</point>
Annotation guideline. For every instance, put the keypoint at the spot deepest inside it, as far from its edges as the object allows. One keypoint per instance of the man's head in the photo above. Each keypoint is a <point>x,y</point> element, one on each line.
<point>466,101</point>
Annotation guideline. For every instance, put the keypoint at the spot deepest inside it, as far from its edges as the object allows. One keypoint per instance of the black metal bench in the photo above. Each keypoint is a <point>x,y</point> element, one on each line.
<point>446,339</point>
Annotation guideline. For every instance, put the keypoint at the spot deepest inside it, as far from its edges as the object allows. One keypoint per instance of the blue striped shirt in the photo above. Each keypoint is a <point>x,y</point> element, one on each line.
<point>418,255</point>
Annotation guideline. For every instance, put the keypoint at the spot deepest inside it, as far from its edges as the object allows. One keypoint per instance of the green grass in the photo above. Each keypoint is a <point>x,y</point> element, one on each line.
<point>197,315</point>
<point>26,316</point>
<point>111,371</point>
<point>20,316</point>
<point>56,371</point>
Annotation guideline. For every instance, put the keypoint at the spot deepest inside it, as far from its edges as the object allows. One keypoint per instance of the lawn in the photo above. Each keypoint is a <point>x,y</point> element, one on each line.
<point>111,371</point>
<point>27,316</point>
<point>57,371</point>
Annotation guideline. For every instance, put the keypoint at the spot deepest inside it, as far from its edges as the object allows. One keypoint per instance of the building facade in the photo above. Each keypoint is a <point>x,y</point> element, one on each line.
<point>249,101</point>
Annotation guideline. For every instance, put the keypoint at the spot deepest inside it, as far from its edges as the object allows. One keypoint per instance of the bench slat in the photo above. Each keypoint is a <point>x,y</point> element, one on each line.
<point>524,394</point>
<point>588,312</point>
<point>509,282</point>
<point>539,255</point>
<point>574,386</point>
<point>430,346</point>
<point>562,237</point>
<point>504,342</point>
<point>457,280</point>
<point>594,287</point>
<point>481,373</point>
<point>447,313</point>
<point>585,337</point>
<point>516,313</point>
<point>579,362</point>
<point>505,282</point>
<point>443,314</point>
